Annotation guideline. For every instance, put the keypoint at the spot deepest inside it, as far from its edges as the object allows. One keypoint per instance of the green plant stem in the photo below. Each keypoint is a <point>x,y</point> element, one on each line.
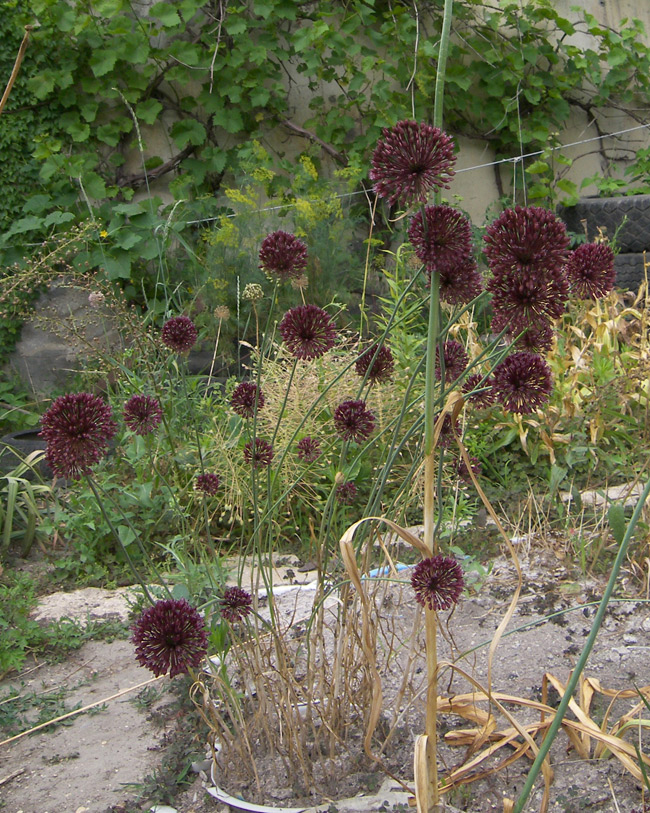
<point>589,644</point>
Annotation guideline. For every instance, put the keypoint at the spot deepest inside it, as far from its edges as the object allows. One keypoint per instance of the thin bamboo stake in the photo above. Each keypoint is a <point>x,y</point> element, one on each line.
<point>16,68</point>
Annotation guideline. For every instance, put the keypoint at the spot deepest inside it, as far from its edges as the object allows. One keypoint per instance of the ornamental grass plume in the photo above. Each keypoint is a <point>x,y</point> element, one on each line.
<point>590,270</point>
<point>170,636</point>
<point>308,331</point>
<point>522,382</point>
<point>283,255</point>
<point>410,161</point>
<point>78,428</point>
<point>235,604</point>
<point>376,364</point>
<point>438,582</point>
<point>308,449</point>
<point>455,360</point>
<point>179,334</point>
<point>246,398</point>
<point>142,414</point>
<point>354,421</point>
<point>259,453</point>
<point>207,483</point>
<point>446,242</point>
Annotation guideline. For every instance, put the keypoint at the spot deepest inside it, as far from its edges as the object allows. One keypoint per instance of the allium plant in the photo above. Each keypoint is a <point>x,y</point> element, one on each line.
<point>308,331</point>
<point>78,429</point>
<point>170,637</point>
<point>246,399</point>
<point>142,414</point>
<point>179,334</point>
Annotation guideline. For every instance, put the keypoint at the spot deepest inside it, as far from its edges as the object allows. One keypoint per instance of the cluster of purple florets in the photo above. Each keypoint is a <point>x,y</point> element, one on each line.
<point>531,273</point>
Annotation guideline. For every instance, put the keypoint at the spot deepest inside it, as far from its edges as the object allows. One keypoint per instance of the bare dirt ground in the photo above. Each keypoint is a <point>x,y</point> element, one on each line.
<point>98,761</point>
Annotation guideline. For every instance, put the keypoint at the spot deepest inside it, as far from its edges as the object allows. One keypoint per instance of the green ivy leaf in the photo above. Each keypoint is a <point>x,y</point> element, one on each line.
<point>103,61</point>
<point>148,110</point>
<point>56,218</point>
<point>167,14</point>
<point>188,131</point>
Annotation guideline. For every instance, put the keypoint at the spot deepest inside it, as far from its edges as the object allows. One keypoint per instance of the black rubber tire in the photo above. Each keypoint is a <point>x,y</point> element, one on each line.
<point>14,448</point>
<point>608,214</point>
<point>630,271</point>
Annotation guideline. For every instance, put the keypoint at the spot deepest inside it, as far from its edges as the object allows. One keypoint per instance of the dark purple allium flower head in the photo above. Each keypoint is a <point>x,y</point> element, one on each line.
<point>170,637</point>
<point>207,483</point>
<point>484,397</point>
<point>308,449</point>
<point>591,272</point>
<point>283,255</point>
<point>142,414</point>
<point>78,428</point>
<point>526,239</point>
<point>377,363</point>
<point>460,283</point>
<point>535,339</point>
<point>261,454</point>
<point>308,331</point>
<point>179,334</point>
<point>235,604</point>
<point>447,240</point>
<point>446,436</point>
<point>522,382</point>
<point>463,471</point>
<point>438,582</point>
<point>354,421</point>
<point>455,359</point>
<point>243,399</point>
<point>524,298</point>
<point>346,493</point>
<point>411,160</point>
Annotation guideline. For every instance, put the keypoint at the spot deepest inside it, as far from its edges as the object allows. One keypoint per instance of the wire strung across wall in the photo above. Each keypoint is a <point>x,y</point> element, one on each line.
<point>515,160</point>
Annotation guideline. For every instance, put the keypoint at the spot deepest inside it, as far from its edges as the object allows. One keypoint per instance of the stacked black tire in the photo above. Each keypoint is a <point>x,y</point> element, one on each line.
<point>607,214</point>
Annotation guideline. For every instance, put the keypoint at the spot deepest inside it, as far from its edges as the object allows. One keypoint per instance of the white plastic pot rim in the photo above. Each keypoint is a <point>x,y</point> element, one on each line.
<point>241,804</point>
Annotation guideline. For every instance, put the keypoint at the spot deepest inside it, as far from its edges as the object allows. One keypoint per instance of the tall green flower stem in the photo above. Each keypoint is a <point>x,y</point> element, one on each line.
<point>582,661</point>
<point>430,478</point>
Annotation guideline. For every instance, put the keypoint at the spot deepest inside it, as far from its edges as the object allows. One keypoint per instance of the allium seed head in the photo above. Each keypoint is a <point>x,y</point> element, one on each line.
<point>446,242</point>
<point>526,239</point>
<point>591,272</point>
<point>170,637</point>
<point>438,582</point>
<point>346,493</point>
<point>377,362</point>
<point>78,428</point>
<point>283,255</point>
<point>142,414</point>
<point>484,397</point>
<point>244,398</point>
<point>460,283</point>
<point>179,334</point>
<point>235,604</point>
<point>258,454</point>
<point>410,161</point>
<point>308,449</point>
<point>354,421</point>
<point>308,331</point>
<point>455,359</point>
<point>525,298</point>
<point>207,483</point>
<point>522,382</point>
<point>252,292</point>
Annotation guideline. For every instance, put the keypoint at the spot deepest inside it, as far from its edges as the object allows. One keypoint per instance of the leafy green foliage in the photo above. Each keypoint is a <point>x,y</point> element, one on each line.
<point>213,78</point>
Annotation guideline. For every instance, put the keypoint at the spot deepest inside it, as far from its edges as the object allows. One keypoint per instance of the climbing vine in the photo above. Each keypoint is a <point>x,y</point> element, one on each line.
<point>117,94</point>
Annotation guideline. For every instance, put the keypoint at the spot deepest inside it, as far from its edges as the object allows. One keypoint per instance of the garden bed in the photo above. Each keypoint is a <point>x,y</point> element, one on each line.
<point>84,765</point>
